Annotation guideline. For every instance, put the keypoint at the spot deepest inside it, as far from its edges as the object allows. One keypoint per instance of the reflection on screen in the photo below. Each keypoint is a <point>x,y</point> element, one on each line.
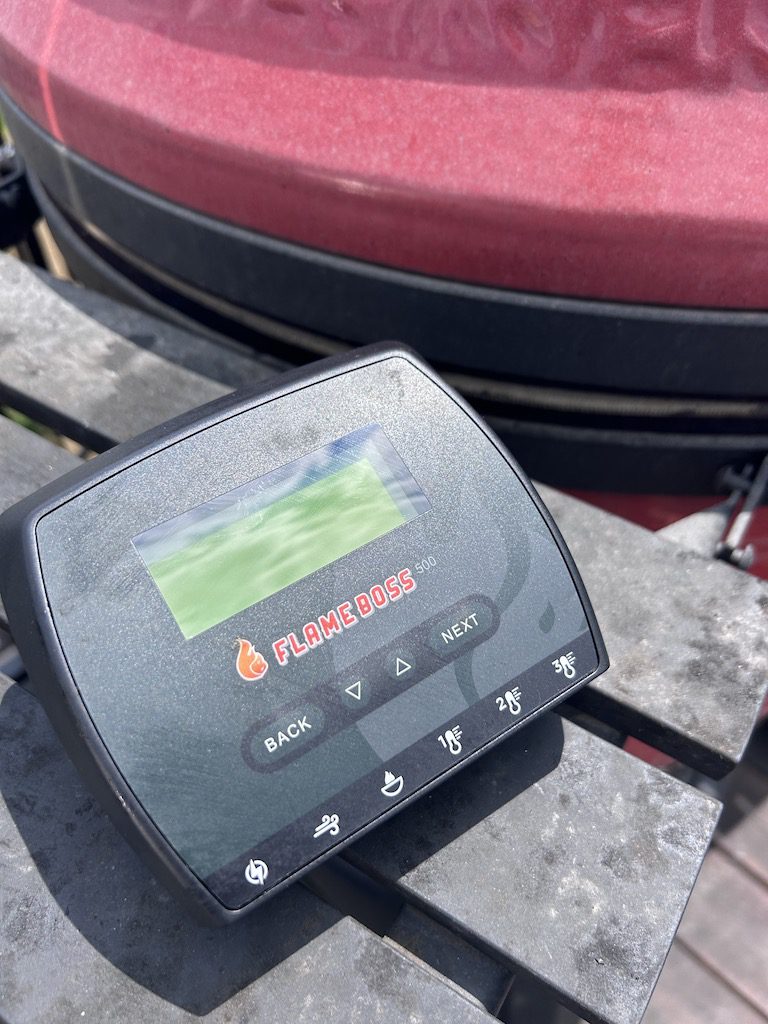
<point>239,548</point>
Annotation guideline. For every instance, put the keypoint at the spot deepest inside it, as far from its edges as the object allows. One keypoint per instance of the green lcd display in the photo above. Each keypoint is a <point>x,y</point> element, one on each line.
<point>217,559</point>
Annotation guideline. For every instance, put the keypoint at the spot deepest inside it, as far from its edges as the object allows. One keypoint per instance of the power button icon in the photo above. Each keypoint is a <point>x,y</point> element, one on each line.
<point>256,872</point>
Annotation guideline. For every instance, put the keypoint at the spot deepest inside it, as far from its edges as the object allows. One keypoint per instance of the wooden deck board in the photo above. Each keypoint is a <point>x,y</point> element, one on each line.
<point>688,993</point>
<point>726,927</point>
<point>743,828</point>
<point>709,977</point>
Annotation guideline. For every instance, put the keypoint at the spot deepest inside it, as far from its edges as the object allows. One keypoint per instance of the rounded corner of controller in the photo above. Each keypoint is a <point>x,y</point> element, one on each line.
<point>399,350</point>
<point>603,658</point>
<point>601,651</point>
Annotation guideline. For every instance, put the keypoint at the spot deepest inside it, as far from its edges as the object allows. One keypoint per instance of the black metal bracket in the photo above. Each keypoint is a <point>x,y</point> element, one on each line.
<point>18,209</point>
<point>731,547</point>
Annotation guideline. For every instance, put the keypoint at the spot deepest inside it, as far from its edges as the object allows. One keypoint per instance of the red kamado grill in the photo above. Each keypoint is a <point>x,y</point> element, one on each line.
<point>561,205</point>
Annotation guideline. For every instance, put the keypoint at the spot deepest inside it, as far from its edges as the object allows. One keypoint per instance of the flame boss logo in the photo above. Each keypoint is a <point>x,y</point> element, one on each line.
<point>252,665</point>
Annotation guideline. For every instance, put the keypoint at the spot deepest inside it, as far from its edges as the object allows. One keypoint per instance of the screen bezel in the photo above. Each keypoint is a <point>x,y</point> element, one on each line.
<point>370,440</point>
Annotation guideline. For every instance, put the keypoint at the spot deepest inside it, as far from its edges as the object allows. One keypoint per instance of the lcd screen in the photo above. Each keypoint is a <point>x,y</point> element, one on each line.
<point>241,547</point>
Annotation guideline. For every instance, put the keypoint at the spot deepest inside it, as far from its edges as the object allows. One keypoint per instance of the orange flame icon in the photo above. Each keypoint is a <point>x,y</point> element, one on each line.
<point>250,664</point>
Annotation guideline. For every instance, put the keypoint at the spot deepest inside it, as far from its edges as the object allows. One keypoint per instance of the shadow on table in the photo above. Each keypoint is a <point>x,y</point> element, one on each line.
<point>462,802</point>
<point>226,363</point>
<point>126,918</point>
<point>98,884</point>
